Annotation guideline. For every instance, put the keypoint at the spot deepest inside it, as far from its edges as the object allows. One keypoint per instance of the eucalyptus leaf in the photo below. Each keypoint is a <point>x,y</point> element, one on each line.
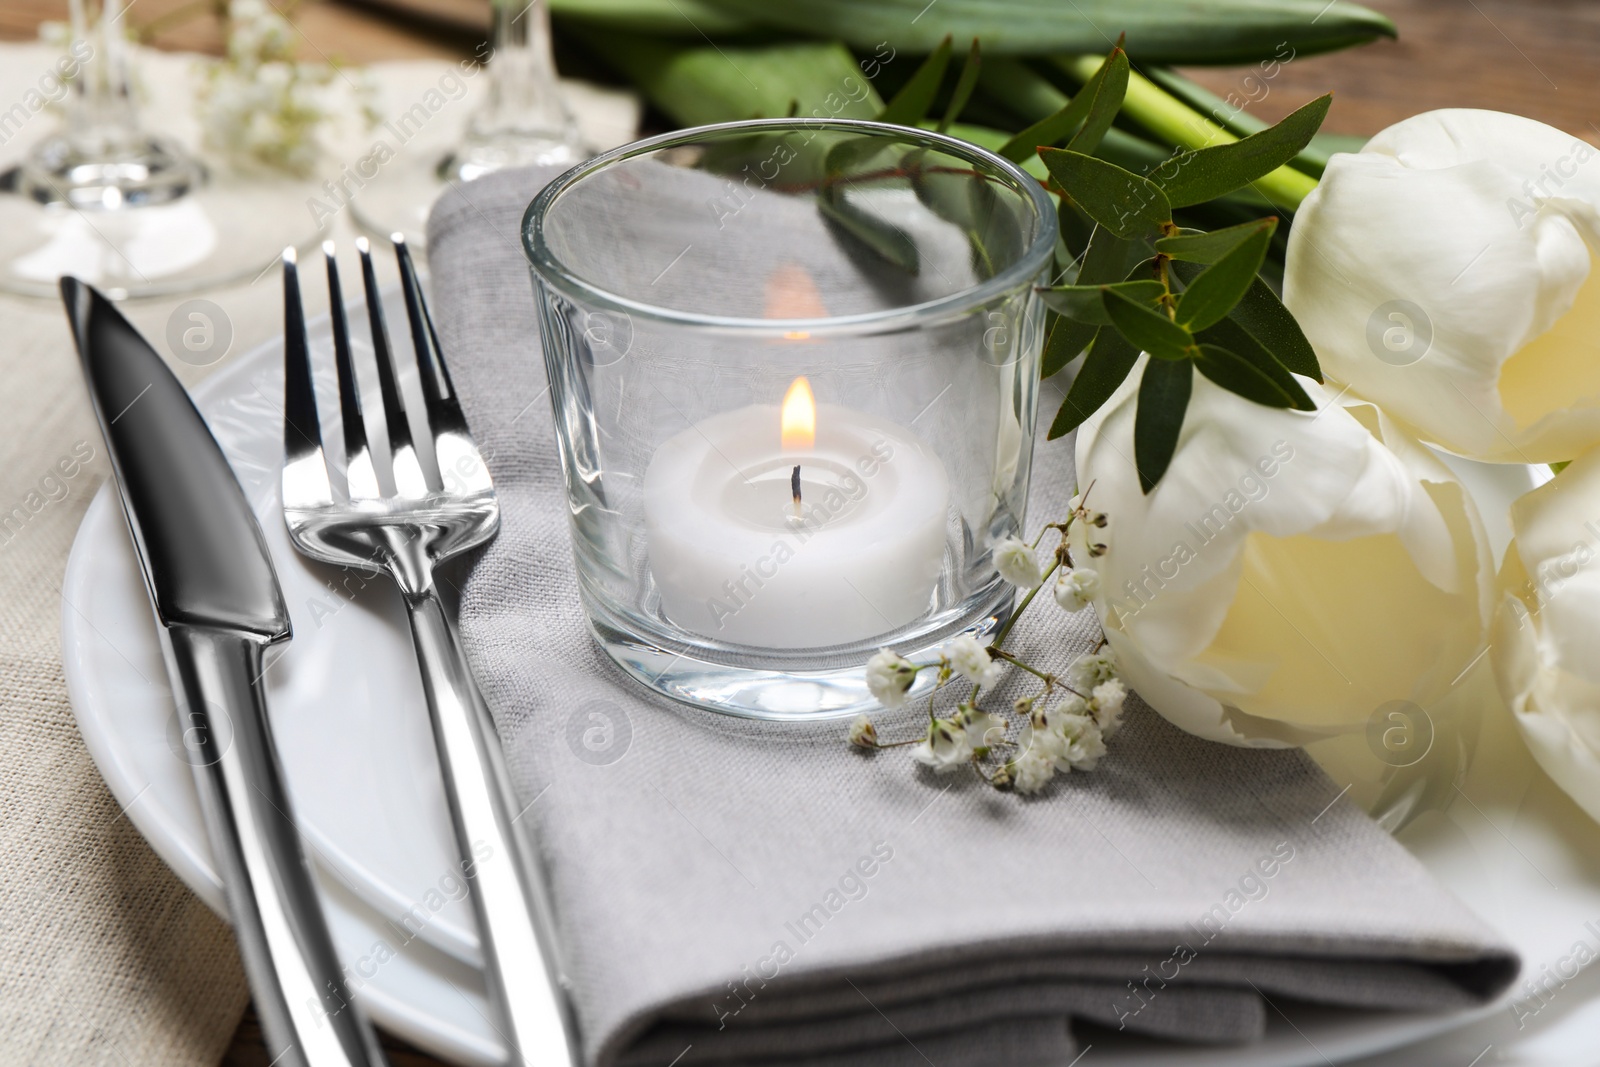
<point>1236,339</point>
<point>1123,202</point>
<point>1076,229</point>
<point>1261,313</point>
<point>1109,258</point>
<point>1230,114</point>
<point>1110,359</point>
<point>1083,303</point>
<point>996,234</point>
<point>1197,246</point>
<point>916,96</point>
<point>964,87</point>
<point>870,232</point>
<point>1158,31</point>
<point>1215,291</point>
<point>1238,375</point>
<point>1063,343</point>
<point>1151,330</point>
<point>1084,119</point>
<point>1163,398</point>
<point>1196,176</point>
<point>1110,84</point>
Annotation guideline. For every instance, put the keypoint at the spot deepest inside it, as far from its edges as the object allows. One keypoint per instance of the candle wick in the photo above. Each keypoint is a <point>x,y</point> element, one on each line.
<point>794,488</point>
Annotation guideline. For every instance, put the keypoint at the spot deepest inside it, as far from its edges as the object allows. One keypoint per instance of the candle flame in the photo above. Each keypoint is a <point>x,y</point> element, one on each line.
<point>799,417</point>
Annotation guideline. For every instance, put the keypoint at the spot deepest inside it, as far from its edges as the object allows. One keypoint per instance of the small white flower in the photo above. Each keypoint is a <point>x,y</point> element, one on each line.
<point>862,733</point>
<point>1082,743</point>
<point>1076,587</point>
<point>1016,562</point>
<point>971,660</point>
<point>946,748</point>
<point>889,677</point>
<point>1071,704</point>
<point>1030,771</point>
<point>983,729</point>
<point>1107,700</point>
<point>1089,671</point>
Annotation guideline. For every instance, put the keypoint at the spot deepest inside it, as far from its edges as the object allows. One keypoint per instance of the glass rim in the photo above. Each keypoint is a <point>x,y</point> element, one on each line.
<point>552,271</point>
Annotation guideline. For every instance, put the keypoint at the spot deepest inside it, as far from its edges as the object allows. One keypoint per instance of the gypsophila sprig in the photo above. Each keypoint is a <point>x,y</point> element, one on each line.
<point>1076,587</point>
<point>889,677</point>
<point>1063,726</point>
<point>260,106</point>
<point>1017,563</point>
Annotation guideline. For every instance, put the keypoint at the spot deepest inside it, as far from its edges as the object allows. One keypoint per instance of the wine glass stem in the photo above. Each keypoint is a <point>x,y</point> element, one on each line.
<point>102,118</point>
<point>523,93</point>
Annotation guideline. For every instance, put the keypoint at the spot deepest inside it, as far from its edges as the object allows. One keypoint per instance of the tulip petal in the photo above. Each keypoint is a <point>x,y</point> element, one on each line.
<point>1444,272</point>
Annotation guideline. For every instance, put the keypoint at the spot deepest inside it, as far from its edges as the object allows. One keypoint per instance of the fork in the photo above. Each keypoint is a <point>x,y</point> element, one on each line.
<point>423,519</point>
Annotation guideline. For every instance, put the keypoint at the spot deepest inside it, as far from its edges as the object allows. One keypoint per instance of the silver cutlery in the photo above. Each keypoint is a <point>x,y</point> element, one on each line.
<point>408,519</point>
<point>217,600</point>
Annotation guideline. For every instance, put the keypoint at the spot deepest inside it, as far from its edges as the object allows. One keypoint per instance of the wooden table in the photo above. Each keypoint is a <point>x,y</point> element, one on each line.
<point>1532,57</point>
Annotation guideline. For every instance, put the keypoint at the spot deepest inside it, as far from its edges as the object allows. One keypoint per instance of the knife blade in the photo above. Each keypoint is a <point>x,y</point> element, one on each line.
<point>217,601</point>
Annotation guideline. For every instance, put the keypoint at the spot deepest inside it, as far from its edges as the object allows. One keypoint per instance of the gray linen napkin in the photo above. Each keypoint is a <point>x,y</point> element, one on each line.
<point>733,892</point>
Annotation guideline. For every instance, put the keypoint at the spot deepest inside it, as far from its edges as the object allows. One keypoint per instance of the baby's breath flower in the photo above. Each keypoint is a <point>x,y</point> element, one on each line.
<point>889,677</point>
<point>862,733</point>
<point>1107,700</point>
<point>972,661</point>
<point>1071,704</point>
<point>1082,743</point>
<point>1089,671</point>
<point>1016,562</point>
<point>983,729</point>
<point>946,748</point>
<point>1030,771</point>
<point>1076,587</point>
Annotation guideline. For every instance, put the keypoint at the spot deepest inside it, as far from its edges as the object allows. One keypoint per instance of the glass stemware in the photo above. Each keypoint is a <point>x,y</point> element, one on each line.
<point>128,210</point>
<point>522,122</point>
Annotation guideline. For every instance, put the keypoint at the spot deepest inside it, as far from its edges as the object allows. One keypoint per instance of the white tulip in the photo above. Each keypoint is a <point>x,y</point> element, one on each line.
<point>1445,272</point>
<point>1292,571</point>
<point>1546,638</point>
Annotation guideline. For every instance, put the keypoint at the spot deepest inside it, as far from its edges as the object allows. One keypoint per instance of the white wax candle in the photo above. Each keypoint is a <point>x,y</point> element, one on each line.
<point>733,562</point>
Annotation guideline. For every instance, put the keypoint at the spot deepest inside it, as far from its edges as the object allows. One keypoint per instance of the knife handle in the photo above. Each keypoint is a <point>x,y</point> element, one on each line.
<point>515,918</point>
<point>306,1012</point>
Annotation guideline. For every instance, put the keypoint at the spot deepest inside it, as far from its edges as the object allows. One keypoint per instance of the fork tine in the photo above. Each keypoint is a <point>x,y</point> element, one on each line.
<point>305,470</point>
<point>359,472</point>
<point>461,466</point>
<point>408,477</point>
<point>444,412</point>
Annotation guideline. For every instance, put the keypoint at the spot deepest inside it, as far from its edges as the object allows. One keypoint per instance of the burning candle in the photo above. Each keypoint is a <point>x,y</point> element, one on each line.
<point>796,525</point>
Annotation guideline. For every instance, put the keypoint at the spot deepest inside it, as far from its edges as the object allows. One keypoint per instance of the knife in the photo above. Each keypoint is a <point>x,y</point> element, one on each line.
<point>217,600</point>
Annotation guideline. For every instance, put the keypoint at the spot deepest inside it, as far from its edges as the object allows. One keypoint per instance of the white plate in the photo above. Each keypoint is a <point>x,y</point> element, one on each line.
<point>355,744</point>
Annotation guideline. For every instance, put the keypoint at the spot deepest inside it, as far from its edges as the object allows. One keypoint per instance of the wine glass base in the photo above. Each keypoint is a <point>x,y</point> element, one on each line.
<point>210,234</point>
<point>142,172</point>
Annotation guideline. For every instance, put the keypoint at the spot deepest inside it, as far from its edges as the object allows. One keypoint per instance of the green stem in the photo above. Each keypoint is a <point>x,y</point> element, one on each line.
<point>1005,630</point>
<point>1047,679</point>
<point>1174,121</point>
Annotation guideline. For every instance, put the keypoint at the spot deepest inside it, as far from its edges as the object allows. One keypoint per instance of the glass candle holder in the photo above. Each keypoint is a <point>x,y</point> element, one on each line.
<point>794,369</point>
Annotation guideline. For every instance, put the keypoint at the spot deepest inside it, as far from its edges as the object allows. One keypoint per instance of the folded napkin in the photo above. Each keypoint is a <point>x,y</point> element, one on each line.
<point>734,892</point>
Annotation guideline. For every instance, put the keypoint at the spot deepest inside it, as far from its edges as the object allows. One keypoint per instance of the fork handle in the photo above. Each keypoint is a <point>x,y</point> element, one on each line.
<point>509,897</point>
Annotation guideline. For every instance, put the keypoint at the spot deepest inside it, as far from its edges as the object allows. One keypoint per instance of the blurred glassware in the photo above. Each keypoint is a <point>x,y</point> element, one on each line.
<point>130,212</point>
<point>523,122</point>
